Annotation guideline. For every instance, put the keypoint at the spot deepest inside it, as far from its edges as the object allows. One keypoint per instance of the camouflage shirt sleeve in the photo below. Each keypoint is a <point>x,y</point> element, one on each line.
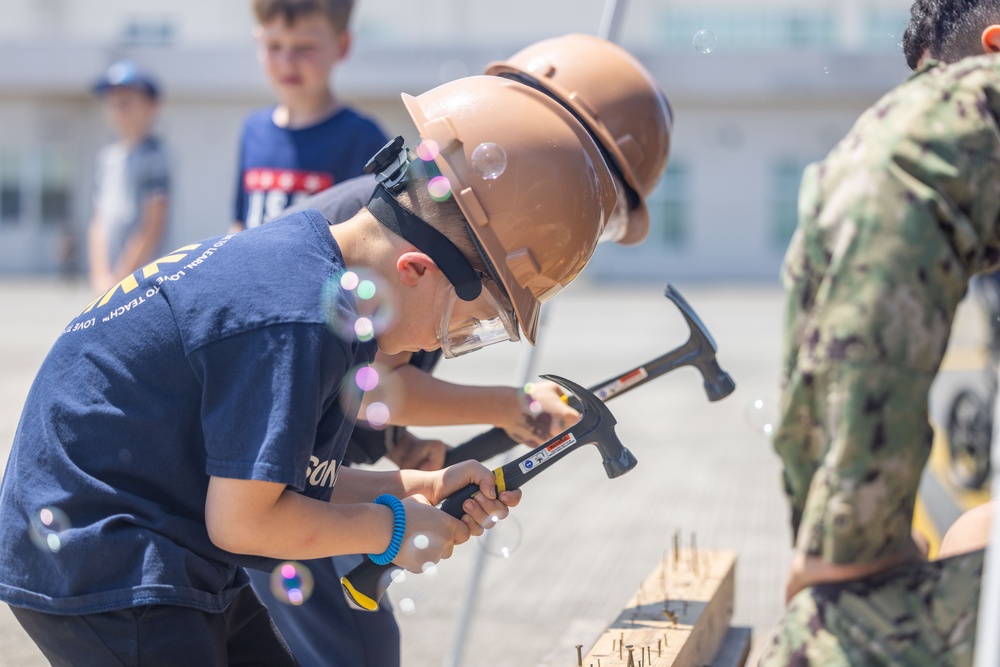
<point>893,223</point>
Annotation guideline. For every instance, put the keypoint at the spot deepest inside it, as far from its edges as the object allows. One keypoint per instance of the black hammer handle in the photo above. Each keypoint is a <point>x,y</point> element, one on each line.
<point>484,446</point>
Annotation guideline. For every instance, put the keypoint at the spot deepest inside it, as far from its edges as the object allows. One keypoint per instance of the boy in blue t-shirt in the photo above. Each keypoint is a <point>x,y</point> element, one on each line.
<point>192,421</point>
<point>309,140</point>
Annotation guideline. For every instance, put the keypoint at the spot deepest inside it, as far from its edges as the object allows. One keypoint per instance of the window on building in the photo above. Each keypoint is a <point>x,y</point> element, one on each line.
<point>155,31</point>
<point>786,177</point>
<point>10,188</point>
<point>669,207</point>
<point>56,186</point>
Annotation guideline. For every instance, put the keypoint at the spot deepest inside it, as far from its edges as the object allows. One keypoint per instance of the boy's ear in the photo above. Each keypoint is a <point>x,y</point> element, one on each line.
<point>344,43</point>
<point>414,266</point>
<point>991,39</point>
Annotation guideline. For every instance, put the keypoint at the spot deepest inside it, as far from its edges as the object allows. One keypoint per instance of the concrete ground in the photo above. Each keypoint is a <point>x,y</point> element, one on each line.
<point>579,544</point>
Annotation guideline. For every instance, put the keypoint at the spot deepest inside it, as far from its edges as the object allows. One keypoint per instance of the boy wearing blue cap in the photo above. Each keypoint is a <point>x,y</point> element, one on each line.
<point>133,180</point>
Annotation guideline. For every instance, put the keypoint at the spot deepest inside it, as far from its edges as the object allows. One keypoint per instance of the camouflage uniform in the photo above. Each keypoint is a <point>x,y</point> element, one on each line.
<point>893,224</point>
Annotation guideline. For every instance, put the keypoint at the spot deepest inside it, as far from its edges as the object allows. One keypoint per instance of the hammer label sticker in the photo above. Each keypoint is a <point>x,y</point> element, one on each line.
<point>622,383</point>
<point>543,455</point>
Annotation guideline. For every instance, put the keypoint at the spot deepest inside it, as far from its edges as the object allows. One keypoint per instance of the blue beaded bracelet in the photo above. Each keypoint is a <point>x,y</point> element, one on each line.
<point>398,529</point>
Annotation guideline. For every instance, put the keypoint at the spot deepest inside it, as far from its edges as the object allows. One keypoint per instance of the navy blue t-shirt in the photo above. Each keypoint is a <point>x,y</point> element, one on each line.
<point>279,166</point>
<point>213,361</point>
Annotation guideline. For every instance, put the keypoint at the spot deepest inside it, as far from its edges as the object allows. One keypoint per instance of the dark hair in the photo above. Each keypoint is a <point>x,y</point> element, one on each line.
<point>337,12</point>
<point>948,30</point>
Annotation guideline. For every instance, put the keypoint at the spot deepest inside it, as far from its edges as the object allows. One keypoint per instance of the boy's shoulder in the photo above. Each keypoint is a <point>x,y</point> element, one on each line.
<point>349,119</point>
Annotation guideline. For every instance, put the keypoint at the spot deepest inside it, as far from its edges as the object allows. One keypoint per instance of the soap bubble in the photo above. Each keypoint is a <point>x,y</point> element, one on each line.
<point>407,606</point>
<point>705,41</point>
<point>377,415</point>
<point>439,188</point>
<point>292,583</point>
<point>428,150</point>
<point>429,569</point>
<point>349,280</point>
<point>366,378</point>
<point>421,541</point>
<point>47,528</point>
<point>358,305</point>
<point>503,539</point>
<point>489,160</point>
<point>762,416</point>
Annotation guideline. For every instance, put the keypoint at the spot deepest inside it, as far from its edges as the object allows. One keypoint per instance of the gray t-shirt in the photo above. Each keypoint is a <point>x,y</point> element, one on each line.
<point>126,178</point>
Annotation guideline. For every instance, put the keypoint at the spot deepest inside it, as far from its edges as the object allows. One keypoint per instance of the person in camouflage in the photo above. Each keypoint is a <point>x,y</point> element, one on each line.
<point>893,224</point>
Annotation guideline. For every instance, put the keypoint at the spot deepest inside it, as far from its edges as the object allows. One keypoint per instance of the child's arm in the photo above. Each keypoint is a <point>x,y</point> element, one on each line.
<point>101,278</point>
<point>142,244</point>
<point>266,519</point>
<point>416,398</point>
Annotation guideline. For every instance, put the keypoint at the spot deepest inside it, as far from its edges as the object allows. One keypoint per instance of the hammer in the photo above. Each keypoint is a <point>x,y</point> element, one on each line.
<point>699,351</point>
<point>366,583</point>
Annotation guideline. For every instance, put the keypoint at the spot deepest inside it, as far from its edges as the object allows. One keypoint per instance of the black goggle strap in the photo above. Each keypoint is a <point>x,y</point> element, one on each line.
<point>428,240</point>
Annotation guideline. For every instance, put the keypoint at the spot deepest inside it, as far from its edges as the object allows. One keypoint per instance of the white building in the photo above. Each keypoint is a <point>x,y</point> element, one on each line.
<point>784,81</point>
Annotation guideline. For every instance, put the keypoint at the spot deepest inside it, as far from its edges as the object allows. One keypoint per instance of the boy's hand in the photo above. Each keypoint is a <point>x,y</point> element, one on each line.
<point>484,509</point>
<point>418,454</point>
<point>431,535</point>
<point>542,415</point>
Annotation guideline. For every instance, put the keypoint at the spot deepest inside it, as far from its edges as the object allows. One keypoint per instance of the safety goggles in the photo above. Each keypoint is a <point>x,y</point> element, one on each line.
<point>467,326</point>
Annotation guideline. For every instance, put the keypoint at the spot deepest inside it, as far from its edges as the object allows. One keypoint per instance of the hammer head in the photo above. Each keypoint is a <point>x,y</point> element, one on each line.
<point>718,383</point>
<point>618,460</point>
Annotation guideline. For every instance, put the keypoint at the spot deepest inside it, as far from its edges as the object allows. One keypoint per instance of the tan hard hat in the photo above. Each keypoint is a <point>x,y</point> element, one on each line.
<point>528,177</point>
<point>618,100</point>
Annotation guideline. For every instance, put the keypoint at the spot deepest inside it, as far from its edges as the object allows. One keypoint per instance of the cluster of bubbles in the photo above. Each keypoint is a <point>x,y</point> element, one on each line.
<point>292,583</point>
<point>705,41</point>
<point>488,159</point>
<point>374,305</point>
<point>534,406</point>
<point>403,594</point>
<point>762,416</point>
<point>365,378</point>
<point>47,528</point>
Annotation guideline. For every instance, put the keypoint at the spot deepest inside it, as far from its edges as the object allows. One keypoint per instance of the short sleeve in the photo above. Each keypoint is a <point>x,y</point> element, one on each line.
<point>265,393</point>
<point>155,173</point>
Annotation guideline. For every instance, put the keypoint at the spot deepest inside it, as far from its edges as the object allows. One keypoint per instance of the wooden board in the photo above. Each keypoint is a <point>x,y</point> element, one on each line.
<point>677,618</point>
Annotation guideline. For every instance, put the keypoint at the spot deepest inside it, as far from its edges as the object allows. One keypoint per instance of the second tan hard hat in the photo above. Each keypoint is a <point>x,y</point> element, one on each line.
<point>528,177</point>
<point>618,100</point>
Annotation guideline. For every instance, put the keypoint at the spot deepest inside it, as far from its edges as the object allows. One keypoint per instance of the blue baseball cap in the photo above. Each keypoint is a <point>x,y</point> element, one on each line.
<point>127,74</point>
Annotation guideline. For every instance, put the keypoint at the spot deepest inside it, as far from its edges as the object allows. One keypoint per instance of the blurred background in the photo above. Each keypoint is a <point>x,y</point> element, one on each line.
<point>766,87</point>
<point>759,89</point>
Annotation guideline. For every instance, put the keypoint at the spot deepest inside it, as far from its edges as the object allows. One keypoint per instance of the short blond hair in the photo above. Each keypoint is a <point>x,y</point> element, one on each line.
<point>337,12</point>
